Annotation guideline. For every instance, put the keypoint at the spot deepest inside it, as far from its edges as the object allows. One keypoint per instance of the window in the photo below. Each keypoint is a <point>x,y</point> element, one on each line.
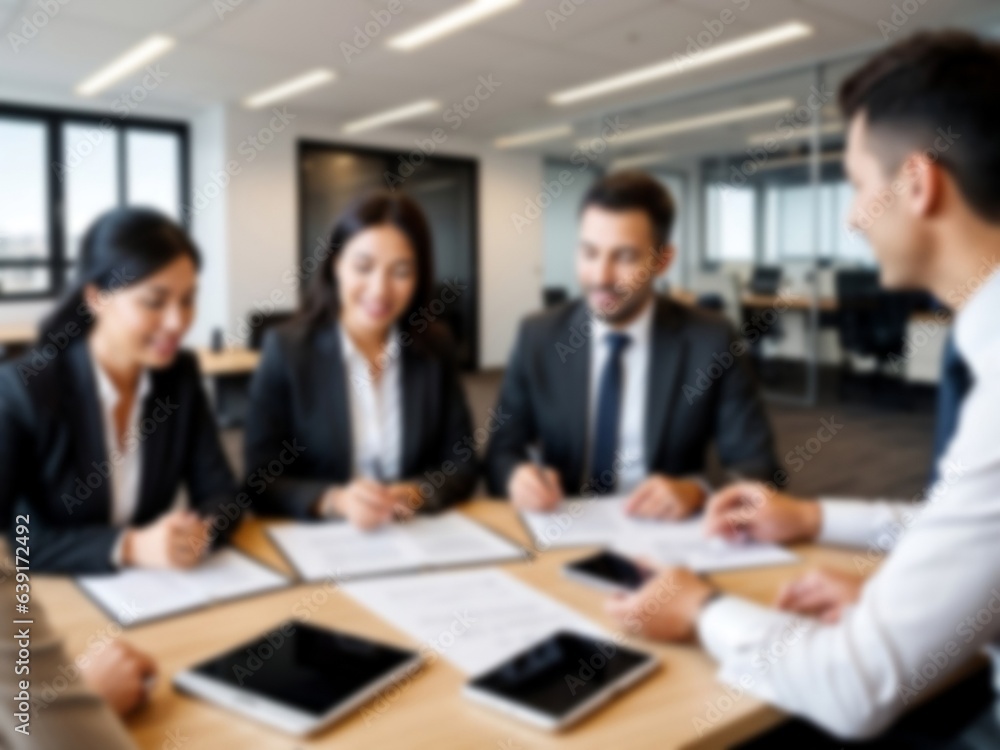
<point>772,216</point>
<point>731,222</point>
<point>59,171</point>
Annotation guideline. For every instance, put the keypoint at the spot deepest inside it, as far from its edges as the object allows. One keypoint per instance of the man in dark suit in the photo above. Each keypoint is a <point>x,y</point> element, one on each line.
<point>623,391</point>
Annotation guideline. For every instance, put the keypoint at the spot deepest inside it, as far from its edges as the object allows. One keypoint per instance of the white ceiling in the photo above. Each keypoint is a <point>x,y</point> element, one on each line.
<point>262,42</point>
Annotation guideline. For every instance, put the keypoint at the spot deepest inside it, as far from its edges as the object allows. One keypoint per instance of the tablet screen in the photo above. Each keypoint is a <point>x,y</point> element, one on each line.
<point>557,675</point>
<point>309,668</point>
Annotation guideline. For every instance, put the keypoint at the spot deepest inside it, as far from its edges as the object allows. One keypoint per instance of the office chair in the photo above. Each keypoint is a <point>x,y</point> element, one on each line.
<point>765,280</point>
<point>554,295</point>
<point>266,322</point>
<point>872,322</point>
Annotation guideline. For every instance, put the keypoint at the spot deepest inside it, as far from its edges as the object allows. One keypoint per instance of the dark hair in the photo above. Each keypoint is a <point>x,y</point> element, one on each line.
<point>937,92</point>
<point>121,247</point>
<point>633,190</point>
<point>321,302</point>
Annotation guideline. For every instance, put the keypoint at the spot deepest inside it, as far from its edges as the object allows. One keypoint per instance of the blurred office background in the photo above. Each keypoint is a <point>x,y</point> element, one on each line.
<point>496,129</point>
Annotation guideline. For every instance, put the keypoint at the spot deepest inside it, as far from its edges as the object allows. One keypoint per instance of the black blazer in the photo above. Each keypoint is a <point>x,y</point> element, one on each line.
<point>53,456</point>
<point>298,430</point>
<point>544,398</point>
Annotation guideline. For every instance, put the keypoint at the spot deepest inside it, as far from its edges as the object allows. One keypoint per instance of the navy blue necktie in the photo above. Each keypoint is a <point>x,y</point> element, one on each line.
<point>956,380</point>
<point>609,401</point>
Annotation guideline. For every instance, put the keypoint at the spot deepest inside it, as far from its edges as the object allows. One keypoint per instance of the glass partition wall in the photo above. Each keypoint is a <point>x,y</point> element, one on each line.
<point>757,169</point>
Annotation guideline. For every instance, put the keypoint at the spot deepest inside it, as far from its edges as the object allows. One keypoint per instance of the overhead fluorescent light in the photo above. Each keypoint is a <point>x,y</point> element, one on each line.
<point>529,137</point>
<point>681,63</point>
<point>640,160</point>
<point>393,115</point>
<point>713,119</point>
<point>448,23</point>
<point>289,88</point>
<point>803,133</point>
<point>143,53</point>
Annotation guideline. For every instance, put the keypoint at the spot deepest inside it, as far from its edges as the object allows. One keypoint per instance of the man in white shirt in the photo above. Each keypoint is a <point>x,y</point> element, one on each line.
<point>924,159</point>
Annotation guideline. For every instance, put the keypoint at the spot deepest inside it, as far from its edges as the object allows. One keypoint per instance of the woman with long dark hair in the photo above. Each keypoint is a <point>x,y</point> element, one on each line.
<point>356,409</point>
<point>105,418</point>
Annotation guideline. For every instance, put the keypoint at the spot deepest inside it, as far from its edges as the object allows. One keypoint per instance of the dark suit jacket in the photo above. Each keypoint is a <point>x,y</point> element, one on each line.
<point>299,414</point>
<point>53,456</point>
<point>693,399</point>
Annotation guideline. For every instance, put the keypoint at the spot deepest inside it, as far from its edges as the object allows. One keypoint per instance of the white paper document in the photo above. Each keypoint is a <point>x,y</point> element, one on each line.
<point>338,550</point>
<point>475,619</point>
<point>136,596</point>
<point>603,522</point>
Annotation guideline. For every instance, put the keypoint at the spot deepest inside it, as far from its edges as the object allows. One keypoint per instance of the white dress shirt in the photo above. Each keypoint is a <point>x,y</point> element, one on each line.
<point>635,390</point>
<point>376,409</point>
<point>933,603</point>
<point>125,459</point>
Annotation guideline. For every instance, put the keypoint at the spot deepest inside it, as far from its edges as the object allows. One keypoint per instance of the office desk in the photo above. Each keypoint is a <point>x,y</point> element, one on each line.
<point>228,362</point>
<point>750,301</point>
<point>17,334</point>
<point>429,711</point>
<point>787,302</point>
<point>15,338</point>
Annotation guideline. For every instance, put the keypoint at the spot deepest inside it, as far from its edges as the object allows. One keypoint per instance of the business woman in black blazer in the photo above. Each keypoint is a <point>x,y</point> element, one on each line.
<point>108,360</point>
<point>356,409</point>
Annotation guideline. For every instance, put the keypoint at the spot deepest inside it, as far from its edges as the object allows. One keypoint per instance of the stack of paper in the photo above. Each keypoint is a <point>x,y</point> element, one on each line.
<point>136,596</point>
<point>475,619</point>
<point>604,522</point>
<point>338,550</point>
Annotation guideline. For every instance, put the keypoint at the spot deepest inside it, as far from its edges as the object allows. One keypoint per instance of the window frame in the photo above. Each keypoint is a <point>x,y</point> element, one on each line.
<point>53,120</point>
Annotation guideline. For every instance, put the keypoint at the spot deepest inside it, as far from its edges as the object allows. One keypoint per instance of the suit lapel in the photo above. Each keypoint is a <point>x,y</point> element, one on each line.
<point>577,394</point>
<point>414,377</point>
<point>666,363</point>
<point>84,410</point>
<point>332,420</point>
<point>156,447</point>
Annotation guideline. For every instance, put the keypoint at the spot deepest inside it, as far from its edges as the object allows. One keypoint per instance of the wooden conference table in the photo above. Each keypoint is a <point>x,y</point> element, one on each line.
<point>428,711</point>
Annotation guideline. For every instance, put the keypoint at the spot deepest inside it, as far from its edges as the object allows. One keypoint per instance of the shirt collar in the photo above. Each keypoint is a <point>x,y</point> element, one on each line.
<point>355,359</point>
<point>639,330</point>
<point>108,393</point>
<point>977,336</point>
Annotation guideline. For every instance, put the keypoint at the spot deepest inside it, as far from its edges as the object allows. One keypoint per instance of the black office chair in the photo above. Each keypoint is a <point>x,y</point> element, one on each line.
<point>554,295</point>
<point>765,280</point>
<point>265,322</point>
<point>872,322</point>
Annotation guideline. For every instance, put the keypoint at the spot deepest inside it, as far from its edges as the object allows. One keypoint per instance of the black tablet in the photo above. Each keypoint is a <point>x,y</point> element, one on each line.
<point>298,677</point>
<point>558,681</point>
